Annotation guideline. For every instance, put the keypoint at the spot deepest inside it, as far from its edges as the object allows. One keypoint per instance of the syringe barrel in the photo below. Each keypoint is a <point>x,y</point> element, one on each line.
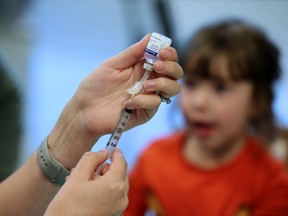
<point>115,137</point>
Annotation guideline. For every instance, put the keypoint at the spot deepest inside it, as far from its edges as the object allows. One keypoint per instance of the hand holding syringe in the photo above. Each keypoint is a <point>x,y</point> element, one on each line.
<point>155,44</point>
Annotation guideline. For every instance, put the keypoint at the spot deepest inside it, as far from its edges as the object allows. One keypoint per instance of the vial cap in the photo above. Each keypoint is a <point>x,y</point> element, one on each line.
<point>148,66</point>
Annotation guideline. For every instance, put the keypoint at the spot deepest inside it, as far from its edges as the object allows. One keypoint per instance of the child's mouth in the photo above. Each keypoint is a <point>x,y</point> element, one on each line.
<point>203,129</point>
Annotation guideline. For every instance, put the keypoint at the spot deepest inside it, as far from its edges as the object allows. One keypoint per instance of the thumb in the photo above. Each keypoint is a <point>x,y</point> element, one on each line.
<point>129,56</point>
<point>118,167</point>
<point>88,164</point>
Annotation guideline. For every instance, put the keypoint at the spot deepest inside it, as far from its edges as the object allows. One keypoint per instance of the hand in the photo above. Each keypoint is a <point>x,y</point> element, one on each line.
<point>104,91</point>
<point>98,102</point>
<point>86,194</point>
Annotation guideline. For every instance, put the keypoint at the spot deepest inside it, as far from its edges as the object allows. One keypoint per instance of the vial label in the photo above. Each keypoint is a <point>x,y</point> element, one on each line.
<point>154,44</point>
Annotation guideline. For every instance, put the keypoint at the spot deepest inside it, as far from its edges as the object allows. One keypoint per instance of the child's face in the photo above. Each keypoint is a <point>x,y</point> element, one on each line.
<point>217,112</point>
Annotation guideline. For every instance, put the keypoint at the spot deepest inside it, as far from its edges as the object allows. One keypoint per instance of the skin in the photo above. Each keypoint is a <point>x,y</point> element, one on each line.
<point>82,122</point>
<point>217,116</point>
<point>111,187</point>
<point>104,93</point>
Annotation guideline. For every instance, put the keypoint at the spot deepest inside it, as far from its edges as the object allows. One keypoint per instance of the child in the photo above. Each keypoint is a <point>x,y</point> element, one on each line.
<point>218,165</point>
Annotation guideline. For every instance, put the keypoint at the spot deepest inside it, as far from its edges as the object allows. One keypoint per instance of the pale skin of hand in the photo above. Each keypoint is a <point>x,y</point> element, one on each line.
<point>101,95</point>
<point>94,194</point>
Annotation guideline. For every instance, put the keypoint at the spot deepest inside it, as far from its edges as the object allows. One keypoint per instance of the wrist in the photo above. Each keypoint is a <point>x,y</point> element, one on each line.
<point>69,140</point>
<point>51,167</point>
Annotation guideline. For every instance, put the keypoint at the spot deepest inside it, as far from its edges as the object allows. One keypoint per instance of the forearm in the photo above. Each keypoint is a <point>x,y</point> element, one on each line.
<point>69,139</point>
<point>27,191</point>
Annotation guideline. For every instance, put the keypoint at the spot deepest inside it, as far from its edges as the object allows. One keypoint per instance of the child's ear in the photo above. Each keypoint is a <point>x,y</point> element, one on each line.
<point>258,108</point>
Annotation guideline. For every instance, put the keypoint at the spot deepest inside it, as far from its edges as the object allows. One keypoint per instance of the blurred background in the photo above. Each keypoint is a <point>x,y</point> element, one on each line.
<point>48,47</point>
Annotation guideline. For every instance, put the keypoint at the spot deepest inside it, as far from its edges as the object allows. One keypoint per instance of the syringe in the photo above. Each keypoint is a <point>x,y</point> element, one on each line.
<point>137,88</point>
<point>155,44</point>
<point>115,137</point>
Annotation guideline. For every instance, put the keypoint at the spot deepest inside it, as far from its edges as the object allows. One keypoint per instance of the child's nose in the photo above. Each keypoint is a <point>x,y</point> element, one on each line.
<point>201,99</point>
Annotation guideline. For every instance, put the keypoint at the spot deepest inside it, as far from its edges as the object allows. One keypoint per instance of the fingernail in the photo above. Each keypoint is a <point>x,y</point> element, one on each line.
<point>144,37</point>
<point>102,151</point>
<point>149,84</point>
<point>128,103</point>
<point>165,54</point>
<point>160,66</point>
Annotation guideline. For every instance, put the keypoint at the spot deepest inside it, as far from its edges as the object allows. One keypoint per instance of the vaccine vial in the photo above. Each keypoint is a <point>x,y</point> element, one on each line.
<point>151,55</point>
<point>155,44</point>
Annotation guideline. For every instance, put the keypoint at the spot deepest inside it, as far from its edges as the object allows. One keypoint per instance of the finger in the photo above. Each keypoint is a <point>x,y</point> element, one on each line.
<point>88,164</point>
<point>118,166</point>
<point>126,184</point>
<point>67,177</point>
<point>129,56</point>
<point>105,168</point>
<point>168,54</point>
<point>145,101</point>
<point>102,172</point>
<point>166,86</point>
<point>169,68</point>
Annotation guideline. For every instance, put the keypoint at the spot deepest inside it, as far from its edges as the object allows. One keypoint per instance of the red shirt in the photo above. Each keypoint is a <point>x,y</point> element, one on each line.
<point>253,183</point>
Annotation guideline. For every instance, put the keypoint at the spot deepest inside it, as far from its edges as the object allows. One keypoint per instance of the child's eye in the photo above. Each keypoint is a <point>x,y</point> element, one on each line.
<point>190,83</point>
<point>221,88</point>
